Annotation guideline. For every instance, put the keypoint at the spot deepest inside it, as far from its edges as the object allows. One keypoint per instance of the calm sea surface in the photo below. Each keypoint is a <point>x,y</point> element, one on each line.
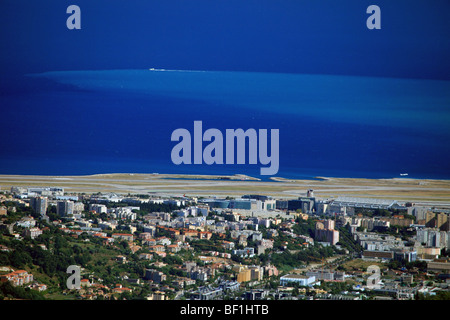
<point>86,122</point>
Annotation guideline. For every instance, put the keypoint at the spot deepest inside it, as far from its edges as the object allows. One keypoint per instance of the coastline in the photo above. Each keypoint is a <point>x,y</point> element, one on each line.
<point>430,192</point>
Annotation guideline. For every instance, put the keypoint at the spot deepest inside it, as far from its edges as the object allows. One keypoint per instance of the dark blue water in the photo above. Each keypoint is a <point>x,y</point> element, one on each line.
<point>87,122</point>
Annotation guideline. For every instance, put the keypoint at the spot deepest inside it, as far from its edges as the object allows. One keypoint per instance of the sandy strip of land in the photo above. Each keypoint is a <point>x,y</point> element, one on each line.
<point>427,192</point>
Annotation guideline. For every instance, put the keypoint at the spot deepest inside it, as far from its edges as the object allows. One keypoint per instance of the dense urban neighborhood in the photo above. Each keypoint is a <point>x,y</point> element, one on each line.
<point>255,247</point>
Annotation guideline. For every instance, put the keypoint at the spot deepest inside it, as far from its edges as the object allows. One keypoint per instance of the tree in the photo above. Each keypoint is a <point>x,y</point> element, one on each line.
<point>4,259</point>
<point>20,259</point>
<point>306,228</point>
<point>8,290</point>
<point>394,264</point>
<point>123,245</point>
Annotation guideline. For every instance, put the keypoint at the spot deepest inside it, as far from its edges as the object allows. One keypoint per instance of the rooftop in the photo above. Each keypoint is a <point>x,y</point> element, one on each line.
<point>295,276</point>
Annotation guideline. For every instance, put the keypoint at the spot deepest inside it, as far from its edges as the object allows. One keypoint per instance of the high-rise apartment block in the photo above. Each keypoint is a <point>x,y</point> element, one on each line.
<point>64,208</point>
<point>39,205</point>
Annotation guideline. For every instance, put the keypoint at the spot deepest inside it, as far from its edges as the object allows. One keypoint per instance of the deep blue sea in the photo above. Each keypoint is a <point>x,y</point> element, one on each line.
<point>117,121</point>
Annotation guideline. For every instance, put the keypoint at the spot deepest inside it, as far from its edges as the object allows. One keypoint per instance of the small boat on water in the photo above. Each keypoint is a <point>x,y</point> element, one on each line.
<point>403,174</point>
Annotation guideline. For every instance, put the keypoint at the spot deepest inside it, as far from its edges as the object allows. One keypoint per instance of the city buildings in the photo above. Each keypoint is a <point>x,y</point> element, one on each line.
<point>39,205</point>
<point>249,273</point>
<point>301,280</point>
<point>433,237</point>
<point>247,202</point>
<point>154,275</point>
<point>439,266</point>
<point>123,236</point>
<point>64,208</point>
<point>98,208</point>
<point>17,278</point>
<point>32,232</point>
<point>336,205</point>
<point>325,232</point>
<point>326,275</point>
<point>226,243</point>
<point>206,293</point>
